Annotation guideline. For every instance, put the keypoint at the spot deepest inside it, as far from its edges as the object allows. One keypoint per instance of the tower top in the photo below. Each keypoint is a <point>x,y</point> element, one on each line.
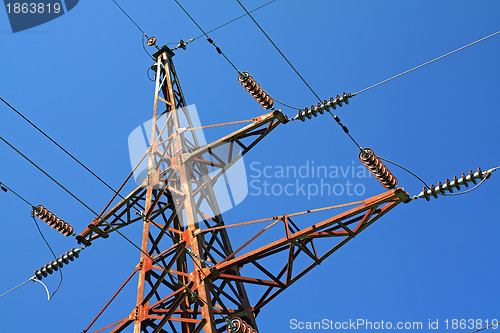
<point>163,49</point>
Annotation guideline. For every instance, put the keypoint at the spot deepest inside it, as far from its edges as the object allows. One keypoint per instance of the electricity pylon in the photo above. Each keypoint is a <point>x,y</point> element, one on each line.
<point>198,282</point>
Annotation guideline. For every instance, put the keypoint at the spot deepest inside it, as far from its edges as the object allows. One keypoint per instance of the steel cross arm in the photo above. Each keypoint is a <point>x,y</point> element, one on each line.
<point>296,241</point>
<point>115,217</point>
<point>118,217</point>
<point>257,128</point>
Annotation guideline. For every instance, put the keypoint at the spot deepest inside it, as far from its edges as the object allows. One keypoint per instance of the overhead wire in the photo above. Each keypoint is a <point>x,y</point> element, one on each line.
<point>18,286</point>
<point>69,192</point>
<point>63,149</point>
<point>138,27</point>
<point>427,63</point>
<point>60,147</point>
<point>206,35</point>
<point>16,194</point>
<point>277,48</point>
<point>294,69</point>
<point>424,64</point>
<point>283,103</point>
<point>231,21</point>
<point>410,70</point>
<point>131,19</point>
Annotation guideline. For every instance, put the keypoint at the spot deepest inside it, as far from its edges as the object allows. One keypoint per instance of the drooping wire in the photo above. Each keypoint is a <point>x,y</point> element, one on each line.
<point>60,147</point>
<point>144,47</point>
<point>46,289</point>
<point>39,230</point>
<point>282,103</point>
<point>138,27</point>
<point>147,73</point>
<point>405,169</point>
<point>206,35</point>
<point>231,21</point>
<point>428,62</point>
<point>55,257</point>
<point>277,48</point>
<point>396,164</point>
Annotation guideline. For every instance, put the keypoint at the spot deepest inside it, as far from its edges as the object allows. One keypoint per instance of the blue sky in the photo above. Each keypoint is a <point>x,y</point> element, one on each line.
<point>82,79</point>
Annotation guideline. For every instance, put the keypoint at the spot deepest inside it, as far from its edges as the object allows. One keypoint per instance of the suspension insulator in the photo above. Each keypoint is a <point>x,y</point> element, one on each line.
<point>51,219</point>
<point>377,168</point>
<point>321,108</point>
<point>255,90</point>
<point>450,185</point>
<point>59,263</point>
<point>152,41</point>
<point>235,325</point>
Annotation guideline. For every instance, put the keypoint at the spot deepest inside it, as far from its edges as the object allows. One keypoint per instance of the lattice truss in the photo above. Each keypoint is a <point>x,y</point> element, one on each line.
<point>190,277</point>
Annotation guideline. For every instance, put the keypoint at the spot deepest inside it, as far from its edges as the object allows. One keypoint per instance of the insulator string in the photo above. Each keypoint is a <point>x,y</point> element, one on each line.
<point>51,251</point>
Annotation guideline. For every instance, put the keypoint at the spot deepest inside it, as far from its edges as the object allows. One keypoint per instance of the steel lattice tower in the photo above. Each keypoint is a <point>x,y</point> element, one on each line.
<point>190,278</point>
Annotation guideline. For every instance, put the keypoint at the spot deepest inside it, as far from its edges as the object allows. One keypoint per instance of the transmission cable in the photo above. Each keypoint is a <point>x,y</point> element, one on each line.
<point>131,20</point>
<point>138,27</point>
<point>60,147</point>
<point>428,62</point>
<point>69,192</point>
<point>5,188</point>
<point>231,21</point>
<point>22,284</point>
<point>277,48</point>
<point>208,38</point>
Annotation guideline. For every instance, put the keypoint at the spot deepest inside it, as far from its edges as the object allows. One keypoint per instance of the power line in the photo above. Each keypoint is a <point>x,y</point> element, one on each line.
<point>208,38</point>
<point>22,284</point>
<point>428,62</point>
<point>131,20</point>
<point>16,194</point>
<point>231,21</point>
<point>60,147</point>
<point>346,131</point>
<point>46,174</point>
<point>277,48</point>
